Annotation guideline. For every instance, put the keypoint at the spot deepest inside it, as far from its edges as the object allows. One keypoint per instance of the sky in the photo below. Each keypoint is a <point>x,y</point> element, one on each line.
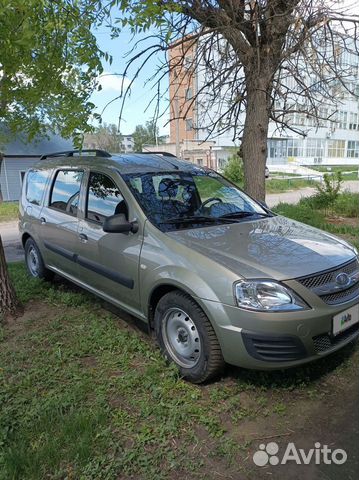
<point>135,106</point>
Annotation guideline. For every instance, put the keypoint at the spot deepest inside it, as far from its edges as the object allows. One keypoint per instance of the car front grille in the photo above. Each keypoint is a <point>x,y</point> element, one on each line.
<point>324,284</point>
<point>342,296</point>
<point>324,342</point>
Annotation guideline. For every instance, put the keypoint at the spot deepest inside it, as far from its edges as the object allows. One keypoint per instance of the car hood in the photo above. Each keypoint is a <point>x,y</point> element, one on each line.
<point>274,247</point>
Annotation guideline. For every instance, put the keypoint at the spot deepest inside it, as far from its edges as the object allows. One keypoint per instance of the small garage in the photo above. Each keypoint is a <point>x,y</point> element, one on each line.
<point>17,156</point>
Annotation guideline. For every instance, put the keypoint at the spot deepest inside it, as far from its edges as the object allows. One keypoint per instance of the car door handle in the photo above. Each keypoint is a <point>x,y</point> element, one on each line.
<point>43,220</point>
<point>83,237</point>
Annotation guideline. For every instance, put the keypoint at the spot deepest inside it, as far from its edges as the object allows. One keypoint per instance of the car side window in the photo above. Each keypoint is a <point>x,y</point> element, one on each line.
<point>104,198</point>
<point>66,191</point>
<point>35,185</point>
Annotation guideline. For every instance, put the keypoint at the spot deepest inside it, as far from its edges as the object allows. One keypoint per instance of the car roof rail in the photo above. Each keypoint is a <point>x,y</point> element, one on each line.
<point>71,153</point>
<point>164,154</point>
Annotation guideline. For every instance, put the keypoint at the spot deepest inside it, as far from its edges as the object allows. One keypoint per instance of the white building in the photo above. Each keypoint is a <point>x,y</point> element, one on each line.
<point>127,143</point>
<point>332,142</point>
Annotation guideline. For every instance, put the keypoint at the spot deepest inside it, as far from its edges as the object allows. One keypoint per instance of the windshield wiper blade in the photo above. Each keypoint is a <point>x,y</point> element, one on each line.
<point>197,219</point>
<point>244,214</point>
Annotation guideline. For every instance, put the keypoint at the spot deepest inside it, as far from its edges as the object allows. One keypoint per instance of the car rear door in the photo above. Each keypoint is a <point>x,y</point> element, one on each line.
<point>59,222</point>
<point>108,262</point>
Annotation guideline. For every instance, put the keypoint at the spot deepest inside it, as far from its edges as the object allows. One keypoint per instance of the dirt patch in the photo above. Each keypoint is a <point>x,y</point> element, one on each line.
<point>89,361</point>
<point>29,319</point>
<point>350,222</point>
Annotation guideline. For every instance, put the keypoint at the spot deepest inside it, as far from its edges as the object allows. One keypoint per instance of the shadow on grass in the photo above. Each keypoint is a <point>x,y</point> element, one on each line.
<point>293,377</point>
<point>280,379</point>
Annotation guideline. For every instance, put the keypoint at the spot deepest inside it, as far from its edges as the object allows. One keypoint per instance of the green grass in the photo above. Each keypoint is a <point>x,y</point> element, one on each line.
<point>346,205</point>
<point>85,395</point>
<point>9,211</point>
<point>340,168</point>
<point>278,186</point>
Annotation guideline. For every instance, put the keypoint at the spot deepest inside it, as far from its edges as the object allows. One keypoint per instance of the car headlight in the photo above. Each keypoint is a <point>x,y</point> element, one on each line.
<point>267,296</point>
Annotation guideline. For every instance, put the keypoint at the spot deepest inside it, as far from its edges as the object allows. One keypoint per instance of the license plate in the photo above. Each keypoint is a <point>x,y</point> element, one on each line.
<point>345,320</point>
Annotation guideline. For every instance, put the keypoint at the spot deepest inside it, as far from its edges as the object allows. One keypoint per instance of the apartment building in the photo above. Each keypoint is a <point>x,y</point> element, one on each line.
<point>333,142</point>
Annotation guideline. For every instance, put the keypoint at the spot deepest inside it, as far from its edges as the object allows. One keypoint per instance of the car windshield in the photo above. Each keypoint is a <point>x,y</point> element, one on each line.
<point>177,200</point>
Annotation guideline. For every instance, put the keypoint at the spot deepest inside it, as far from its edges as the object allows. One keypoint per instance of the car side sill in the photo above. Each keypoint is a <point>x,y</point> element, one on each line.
<point>104,296</point>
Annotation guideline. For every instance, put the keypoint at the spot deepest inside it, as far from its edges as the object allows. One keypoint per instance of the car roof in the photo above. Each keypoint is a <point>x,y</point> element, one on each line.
<point>125,163</point>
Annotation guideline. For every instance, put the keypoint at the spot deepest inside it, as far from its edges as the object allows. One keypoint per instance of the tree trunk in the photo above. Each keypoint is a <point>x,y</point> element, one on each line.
<point>8,299</point>
<point>254,139</point>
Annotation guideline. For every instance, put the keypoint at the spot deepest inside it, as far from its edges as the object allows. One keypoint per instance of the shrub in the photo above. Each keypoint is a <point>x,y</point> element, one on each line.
<point>234,169</point>
<point>327,192</point>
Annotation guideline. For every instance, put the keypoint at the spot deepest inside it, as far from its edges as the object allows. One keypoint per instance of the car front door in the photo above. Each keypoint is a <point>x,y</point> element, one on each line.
<point>59,222</point>
<point>108,262</point>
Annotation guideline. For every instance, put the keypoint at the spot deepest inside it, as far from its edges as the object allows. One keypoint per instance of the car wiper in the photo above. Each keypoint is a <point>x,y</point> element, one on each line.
<point>197,219</point>
<point>243,214</point>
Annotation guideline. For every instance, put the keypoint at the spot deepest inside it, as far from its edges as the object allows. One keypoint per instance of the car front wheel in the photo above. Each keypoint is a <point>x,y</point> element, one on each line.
<point>186,337</point>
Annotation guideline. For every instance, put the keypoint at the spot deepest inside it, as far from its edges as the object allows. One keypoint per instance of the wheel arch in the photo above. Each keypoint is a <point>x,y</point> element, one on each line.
<point>162,289</point>
<point>24,238</point>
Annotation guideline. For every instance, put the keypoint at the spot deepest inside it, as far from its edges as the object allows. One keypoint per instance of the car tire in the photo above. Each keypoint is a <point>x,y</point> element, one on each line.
<point>34,262</point>
<point>186,337</point>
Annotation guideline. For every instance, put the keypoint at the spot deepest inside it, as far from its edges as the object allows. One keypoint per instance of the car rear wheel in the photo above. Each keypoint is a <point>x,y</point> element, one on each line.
<point>34,262</point>
<point>186,337</point>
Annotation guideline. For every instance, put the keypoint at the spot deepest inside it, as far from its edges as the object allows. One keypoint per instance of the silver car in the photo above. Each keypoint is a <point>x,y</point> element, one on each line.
<point>217,276</point>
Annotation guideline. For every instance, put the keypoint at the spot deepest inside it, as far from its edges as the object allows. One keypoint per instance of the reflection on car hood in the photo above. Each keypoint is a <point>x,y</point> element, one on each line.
<point>274,247</point>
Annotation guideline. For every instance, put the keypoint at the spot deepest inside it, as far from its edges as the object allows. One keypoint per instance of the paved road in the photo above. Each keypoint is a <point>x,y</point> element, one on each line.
<point>294,196</point>
<point>10,237</point>
<point>14,252</point>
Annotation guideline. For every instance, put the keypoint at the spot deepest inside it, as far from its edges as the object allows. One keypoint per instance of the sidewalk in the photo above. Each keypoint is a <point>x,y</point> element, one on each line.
<point>10,238</point>
<point>294,196</point>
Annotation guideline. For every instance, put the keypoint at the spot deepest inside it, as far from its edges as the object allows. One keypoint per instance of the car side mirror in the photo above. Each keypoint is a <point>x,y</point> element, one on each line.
<point>119,224</point>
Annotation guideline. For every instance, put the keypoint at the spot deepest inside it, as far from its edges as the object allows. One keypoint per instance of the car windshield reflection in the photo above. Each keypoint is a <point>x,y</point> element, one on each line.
<point>176,200</point>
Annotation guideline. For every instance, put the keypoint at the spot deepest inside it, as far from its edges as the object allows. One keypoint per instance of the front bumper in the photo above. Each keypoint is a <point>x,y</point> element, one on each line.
<point>269,341</point>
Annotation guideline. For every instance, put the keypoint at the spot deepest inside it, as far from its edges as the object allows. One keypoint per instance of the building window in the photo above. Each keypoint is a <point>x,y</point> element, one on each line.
<point>299,118</point>
<point>295,147</point>
<point>315,147</point>
<point>336,148</point>
<point>189,124</point>
<point>353,121</point>
<point>189,93</point>
<point>200,161</point>
<point>277,148</point>
<point>342,119</point>
<point>323,120</point>
<point>353,149</point>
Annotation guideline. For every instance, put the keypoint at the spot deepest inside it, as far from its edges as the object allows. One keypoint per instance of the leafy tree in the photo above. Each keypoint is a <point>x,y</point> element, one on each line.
<point>234,169</point>
<point>48,68</point>
<point>105,137</point>
<point>267,59</point>
<point>148,134</point>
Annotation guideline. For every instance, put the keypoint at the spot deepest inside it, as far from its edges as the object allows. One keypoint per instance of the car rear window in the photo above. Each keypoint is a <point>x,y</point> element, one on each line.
<point>35,185</point>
